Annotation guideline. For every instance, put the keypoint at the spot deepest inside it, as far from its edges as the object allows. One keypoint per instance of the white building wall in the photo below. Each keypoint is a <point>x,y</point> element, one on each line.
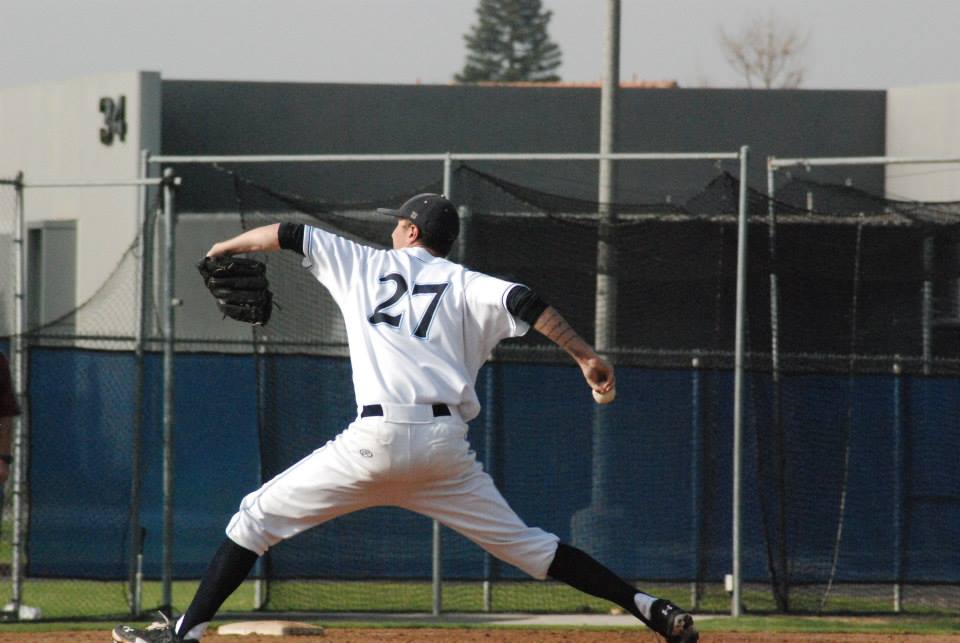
<point>924,121</point>
<point>51,132</point>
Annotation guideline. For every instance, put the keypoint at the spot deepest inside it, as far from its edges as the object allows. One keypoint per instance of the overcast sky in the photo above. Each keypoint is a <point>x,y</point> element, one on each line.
<point>855,44</point>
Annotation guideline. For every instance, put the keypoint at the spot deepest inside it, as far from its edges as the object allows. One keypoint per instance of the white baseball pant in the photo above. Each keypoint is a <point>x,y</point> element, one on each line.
<point>408,459</point>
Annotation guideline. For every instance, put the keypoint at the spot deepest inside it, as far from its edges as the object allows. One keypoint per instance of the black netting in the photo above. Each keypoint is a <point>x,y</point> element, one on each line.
<point>852,403</point>
<point>860,305</point>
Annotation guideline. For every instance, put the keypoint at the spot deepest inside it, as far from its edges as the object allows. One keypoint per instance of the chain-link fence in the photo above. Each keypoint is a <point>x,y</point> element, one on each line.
<point>835,439</point>
<point>79,380</point>
<point>8,288</point>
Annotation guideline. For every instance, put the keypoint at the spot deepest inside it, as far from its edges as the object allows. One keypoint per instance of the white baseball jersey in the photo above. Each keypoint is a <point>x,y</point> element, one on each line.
<point>419,329</point>
<point>419,326</point>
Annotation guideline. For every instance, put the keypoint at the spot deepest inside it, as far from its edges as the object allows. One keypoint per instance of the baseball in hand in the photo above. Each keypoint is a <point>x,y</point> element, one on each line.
<point>604,398</point>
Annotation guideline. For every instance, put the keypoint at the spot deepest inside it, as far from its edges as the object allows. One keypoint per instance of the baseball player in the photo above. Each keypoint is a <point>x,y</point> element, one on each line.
<point>419,328</point>
<point>8,409</point>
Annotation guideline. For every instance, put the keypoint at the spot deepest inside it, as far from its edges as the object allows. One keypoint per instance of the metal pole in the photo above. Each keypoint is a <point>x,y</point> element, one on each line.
<point>447,174</point>
<point>168,398</point>
<point>695,518</point>
<point>489,431</point>
<point>21,422</point>
<point>897,488</point>
<point>927,303</point>
<point>606,285</point>
<point>436,561</point>
<point>93,184</point>
<point>437,545</point>
<point>463,214</point>
<point>605,322</point>
<point>782,578</point>
<point>143,246</point>
<point>774,283</point>
<point>496,156</point>
<point>261,362</point>
<point>864,160</point>
<point>739,349</point>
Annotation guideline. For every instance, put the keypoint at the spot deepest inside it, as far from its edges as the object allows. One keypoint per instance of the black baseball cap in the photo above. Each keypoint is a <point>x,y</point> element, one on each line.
<point>434,214</point>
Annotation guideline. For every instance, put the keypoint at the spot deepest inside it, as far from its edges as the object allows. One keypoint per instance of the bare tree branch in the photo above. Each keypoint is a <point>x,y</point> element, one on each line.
<point>766,53</point>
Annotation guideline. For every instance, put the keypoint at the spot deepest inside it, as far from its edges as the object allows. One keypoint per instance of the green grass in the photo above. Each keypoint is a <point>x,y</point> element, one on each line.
<point>78,599</point>
<point>417,596</point>
<point>772,624</point>
<point>876,625</point>
<point>6,532</point>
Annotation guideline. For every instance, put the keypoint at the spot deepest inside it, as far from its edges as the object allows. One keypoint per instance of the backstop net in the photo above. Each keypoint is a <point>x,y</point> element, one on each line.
<point>847,351</point>
<point>856,400</point>
<point>851,500</point>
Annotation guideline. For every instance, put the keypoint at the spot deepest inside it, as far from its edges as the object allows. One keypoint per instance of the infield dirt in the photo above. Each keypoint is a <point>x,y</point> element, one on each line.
<point>493,635</point>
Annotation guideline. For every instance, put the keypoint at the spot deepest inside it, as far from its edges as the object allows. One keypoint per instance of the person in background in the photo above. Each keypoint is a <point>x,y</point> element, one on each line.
<point>8,409</point>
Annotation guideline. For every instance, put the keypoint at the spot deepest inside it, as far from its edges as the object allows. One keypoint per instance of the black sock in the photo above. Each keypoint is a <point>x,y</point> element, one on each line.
<point>577,569</point>
<point>230,565</point>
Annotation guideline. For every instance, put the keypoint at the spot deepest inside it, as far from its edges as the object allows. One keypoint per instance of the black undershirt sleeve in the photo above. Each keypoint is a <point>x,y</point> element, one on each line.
<point>525,304</point>
<point>290,236</point>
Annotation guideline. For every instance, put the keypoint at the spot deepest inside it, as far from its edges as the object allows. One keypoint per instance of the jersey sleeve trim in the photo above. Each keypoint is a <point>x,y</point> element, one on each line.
<point>307,262</point>
<point>518,327</point>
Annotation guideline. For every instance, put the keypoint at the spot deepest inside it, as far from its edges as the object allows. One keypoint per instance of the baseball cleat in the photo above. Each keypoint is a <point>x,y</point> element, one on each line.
<point>672,623</point>
<point>159,632</point>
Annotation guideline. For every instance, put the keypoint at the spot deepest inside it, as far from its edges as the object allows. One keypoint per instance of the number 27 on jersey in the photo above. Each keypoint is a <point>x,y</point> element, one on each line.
<point>400,289</point>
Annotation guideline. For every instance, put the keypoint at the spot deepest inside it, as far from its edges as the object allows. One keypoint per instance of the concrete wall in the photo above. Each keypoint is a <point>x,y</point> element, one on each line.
<point>202,117</point>
<point>924,121</point>
<point>51,132</point>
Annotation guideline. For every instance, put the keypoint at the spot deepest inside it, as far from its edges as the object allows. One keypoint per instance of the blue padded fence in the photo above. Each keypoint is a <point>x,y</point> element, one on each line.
<point>648,491</point>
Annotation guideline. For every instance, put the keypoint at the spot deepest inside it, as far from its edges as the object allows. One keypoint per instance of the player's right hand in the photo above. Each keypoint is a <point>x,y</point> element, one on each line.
<point>598,373</point>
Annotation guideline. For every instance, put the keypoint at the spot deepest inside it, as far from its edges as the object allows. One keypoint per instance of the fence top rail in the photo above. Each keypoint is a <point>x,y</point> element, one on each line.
<point>325,158</point>
<point>80,183</point>
<point>775,163</point>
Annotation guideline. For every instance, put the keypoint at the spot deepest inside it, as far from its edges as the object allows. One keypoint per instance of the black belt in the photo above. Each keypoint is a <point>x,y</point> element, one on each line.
<point>373,410</point>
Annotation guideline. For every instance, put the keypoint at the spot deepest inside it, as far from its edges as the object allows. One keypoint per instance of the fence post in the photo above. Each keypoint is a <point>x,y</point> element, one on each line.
<point>927,303</point>
<point>21,424</point>
<point>781,589</point>
<point>489,431</point>
<point>696,429</point>
<point>144,247</point>
<point>437,546</point>
<point>897,488</point>
<point>739,349</point>
<point>169,303</point>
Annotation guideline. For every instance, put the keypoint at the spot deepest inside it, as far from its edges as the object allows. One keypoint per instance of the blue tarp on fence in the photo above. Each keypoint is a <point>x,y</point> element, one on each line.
<point>645,485</point>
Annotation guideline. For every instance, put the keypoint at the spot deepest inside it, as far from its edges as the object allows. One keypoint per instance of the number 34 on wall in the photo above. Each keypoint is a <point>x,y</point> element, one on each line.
<point>114,119</point>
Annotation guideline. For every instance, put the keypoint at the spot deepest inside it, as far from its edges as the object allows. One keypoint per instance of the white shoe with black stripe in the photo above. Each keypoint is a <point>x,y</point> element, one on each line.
<point>158,632</point>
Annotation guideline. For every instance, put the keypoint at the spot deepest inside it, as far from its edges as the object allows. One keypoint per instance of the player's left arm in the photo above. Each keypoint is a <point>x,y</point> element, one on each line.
<point>263,239</point>
<point>527,305</point>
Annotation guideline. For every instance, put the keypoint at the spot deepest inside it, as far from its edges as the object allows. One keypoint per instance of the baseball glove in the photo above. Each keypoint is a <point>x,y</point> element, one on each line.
<point>240,287</point>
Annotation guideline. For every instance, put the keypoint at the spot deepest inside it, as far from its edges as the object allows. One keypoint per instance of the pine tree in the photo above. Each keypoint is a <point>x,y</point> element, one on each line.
<point>510,43</point>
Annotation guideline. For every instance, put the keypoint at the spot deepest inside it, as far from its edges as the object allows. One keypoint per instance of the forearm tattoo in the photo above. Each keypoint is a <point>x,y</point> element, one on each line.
<point>552,325</point>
